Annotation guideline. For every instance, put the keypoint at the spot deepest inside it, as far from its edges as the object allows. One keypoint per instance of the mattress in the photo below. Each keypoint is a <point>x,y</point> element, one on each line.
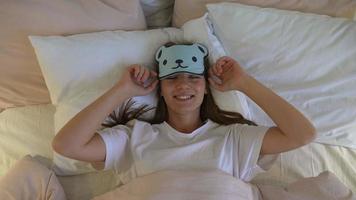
<point>30,129</point>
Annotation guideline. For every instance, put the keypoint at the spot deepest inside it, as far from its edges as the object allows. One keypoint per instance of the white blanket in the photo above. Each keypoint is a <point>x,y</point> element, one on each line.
<point>217,185</point>
<point>177,185</point>
<point>31,179</point>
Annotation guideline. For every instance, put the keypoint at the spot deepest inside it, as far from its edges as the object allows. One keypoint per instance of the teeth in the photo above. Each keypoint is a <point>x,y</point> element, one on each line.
<point>183,97</point>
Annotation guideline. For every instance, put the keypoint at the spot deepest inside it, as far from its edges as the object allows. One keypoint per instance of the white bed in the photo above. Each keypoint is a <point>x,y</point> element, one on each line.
<point>37,122</point>
<point>29,129</point>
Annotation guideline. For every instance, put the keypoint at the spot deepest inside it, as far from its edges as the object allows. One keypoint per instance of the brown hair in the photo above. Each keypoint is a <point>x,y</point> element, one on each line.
<point>208,109</point>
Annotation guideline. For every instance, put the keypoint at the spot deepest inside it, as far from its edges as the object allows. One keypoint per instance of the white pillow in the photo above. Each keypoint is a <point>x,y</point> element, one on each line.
<point>307,59</point>
<point>158,13</point>
<point>80,68</point>
<point>200,30</point>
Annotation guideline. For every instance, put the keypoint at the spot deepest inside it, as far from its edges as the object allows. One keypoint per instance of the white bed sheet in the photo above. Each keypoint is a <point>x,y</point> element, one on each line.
<point>310,161</point>
<point>29,130</point>
<point>25,130</point>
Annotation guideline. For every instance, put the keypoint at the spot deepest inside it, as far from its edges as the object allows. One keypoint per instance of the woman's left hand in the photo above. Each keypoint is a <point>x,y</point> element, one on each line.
<point>226,74</point>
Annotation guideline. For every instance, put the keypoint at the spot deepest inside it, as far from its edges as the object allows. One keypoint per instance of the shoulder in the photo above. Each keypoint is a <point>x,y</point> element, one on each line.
<point>230,127</point>
<point>246,128</point>
<point>237,128</point>
<point>136,123</point>
<point>128,127</point>
<point>219,129</point>
<point>140,127</point>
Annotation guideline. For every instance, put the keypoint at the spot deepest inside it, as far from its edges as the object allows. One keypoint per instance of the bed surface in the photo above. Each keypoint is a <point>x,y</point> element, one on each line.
<point>30,130</point>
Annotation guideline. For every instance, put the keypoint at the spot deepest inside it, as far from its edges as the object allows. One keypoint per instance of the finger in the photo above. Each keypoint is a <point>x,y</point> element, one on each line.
<point>220,65</point>
<point>213,84</point>
<point>145,75</point>
<point>226,58</point>
<point>137,70</point>
<point>153,73</point>
<point>217,80</point>
<point>152,86</point>
<point>228,66</point>
<point>133,69</point>
<point>140,74</point>
<point>211,74</point>
<point>223,58</point>
<point>219,61</point>
<point>151,77</point>
<point>214,70</point>
<point>219,68</point>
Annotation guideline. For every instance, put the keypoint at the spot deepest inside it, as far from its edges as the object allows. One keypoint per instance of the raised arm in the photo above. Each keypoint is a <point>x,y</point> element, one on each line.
<point>78,138</point>
<point>293,128</point>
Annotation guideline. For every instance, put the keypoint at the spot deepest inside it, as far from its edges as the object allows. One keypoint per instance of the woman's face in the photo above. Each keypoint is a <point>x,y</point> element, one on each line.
<point>183,92</point>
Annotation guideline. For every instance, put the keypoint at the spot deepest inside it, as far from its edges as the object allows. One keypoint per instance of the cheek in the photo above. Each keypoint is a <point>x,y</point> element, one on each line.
<point>164,89</point>
<point>202,87</point>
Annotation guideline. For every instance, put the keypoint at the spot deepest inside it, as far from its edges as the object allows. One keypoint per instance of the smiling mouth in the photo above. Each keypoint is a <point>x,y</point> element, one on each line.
<point>183,97</point>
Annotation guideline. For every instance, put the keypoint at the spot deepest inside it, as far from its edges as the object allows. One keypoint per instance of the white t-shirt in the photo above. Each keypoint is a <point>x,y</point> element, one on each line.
<point>141,148</point>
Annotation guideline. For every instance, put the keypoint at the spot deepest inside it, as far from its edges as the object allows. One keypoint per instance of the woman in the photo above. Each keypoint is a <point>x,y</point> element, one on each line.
<point>185,133</point>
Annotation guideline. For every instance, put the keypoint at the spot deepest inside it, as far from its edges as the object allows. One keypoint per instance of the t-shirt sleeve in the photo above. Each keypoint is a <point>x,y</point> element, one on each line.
<point>118,153</point>
<point>248,141</point>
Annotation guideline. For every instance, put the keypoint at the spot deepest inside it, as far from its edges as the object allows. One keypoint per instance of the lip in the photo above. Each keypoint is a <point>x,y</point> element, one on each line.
<point>184,99</point>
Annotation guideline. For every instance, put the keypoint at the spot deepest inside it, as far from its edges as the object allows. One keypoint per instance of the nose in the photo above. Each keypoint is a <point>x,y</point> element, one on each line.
<point>182,82</point>
<point>179,61</point>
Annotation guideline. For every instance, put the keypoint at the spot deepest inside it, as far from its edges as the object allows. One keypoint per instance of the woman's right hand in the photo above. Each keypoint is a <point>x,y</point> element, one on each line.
<point>138,80</point>
<point>77,139</point>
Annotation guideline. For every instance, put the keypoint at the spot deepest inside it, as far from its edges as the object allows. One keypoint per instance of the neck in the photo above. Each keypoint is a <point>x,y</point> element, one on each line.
<point>185,123</point>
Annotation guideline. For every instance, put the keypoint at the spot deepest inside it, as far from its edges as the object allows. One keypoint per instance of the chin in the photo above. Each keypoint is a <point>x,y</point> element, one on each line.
<point>180,109</point>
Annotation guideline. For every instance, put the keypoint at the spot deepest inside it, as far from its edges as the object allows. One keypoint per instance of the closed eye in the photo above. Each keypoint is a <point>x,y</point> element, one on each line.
<point>171,77</point>
<point>195,76</point>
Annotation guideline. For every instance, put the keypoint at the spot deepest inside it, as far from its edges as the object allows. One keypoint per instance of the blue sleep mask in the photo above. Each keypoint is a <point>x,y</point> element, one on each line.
<point>181,58</point>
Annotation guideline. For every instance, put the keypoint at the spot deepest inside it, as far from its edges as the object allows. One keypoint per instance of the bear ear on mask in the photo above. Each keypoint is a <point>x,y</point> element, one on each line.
<point>159,53</point>
<point>201,48</point>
